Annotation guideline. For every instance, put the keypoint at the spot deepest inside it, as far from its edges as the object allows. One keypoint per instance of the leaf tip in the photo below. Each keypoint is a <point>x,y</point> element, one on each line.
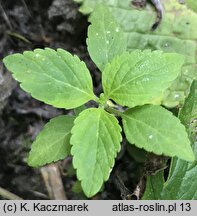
<point>31,162</point>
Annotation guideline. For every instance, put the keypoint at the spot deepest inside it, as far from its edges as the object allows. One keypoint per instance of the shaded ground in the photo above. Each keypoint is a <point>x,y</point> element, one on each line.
<point>26,25</point>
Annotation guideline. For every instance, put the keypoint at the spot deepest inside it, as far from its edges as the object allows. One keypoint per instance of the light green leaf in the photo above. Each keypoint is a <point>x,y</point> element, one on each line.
<point>95,141</point>
<point>105,37</point>
<point>156,130</point>
<point>138,77</point>
<point>55,77</point>
<point>174,34</point>
<point>53,142</point>
<point>89,5</point>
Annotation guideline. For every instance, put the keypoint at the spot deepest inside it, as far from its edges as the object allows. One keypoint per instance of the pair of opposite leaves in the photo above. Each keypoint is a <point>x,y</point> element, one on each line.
<point>130,79</point>
<point>96,135</point>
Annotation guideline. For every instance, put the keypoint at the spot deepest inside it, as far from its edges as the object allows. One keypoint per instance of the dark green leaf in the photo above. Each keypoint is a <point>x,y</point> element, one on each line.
<point>154,186</point>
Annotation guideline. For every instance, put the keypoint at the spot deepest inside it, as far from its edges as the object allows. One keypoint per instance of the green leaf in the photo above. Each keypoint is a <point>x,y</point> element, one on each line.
<point>89,5</point>
<point>55,77</point>
<point>181,182</point>
<point>174,34</point>
<point>182,178</point>
<point>138,77</point>
<point>53,142</point>
<point>156,130</point>
<point>79,109</point>
<point>189,110</point>
<point>95,141</point>
<point>105,37</point>
<point>192,4</point>
<point>154,186</point>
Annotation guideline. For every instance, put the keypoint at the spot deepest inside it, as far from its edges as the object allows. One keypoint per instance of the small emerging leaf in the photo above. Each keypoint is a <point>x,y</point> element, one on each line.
<point>156,130</point>
<point>105,37</point>
<point>53,142</point>
<point>55,77</point>
<point>95,141</point>
<point>140,77</point>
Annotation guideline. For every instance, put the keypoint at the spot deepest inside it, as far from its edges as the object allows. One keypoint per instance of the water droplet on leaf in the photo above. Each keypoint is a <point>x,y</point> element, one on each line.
<point>145,79</point>
<point>176,96</point>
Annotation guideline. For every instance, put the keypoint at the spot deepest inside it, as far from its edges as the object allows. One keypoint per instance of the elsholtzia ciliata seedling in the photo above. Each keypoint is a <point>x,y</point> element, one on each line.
<point>134,80</point>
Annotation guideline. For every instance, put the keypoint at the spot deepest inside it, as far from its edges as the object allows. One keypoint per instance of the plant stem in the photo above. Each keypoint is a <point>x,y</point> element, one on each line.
<point>96,99</point>
<point>8,195</point>
<point>113,111</point>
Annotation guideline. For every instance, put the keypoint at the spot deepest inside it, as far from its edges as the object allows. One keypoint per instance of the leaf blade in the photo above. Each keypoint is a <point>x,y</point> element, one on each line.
<point>53,142</point>
<point>181,182</point>
<point>189,110</point>
<point>105,37</point>
<point>139,77</point>
<point>154,186</point>
<point>150,127</point>
<point>55,77</point>
<point>95,142</point>
<point>175,34</point>
<point>182,177</point>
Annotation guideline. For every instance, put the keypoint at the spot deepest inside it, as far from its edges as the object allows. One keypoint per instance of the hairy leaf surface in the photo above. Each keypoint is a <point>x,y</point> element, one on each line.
<point>156,130</point>
<point>95,141</point>
<point>140,77</point>
<point>105,38</point>
<point>55,77</point>
<point>53,142</point>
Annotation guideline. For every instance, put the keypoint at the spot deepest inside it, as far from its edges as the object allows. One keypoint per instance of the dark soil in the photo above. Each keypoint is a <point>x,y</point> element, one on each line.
<point>26,25</point>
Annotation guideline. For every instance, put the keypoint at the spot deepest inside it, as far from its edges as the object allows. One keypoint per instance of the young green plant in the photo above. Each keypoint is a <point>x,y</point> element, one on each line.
<point>135,80</point>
